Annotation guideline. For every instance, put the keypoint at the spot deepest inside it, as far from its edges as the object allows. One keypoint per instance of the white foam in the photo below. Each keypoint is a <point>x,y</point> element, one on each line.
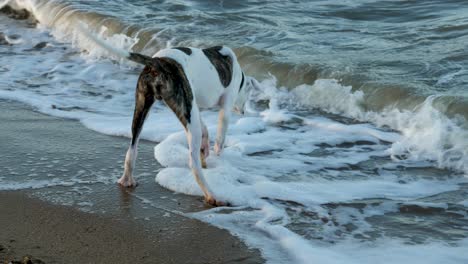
<point>427,134</point>
<point>329,95</point>
<point>388,251</point>
<point>248,178</point>
<point>105,45</point>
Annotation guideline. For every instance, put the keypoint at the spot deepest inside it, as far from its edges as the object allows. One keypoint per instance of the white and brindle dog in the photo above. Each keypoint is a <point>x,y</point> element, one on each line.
<point>187,80</point>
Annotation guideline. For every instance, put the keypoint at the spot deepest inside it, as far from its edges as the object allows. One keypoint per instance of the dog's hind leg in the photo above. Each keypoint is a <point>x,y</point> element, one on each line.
<point>194,131</point>
<point>144,99</point>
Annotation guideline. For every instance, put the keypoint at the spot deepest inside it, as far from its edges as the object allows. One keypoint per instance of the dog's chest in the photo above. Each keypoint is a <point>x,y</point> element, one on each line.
<point>202,75</point>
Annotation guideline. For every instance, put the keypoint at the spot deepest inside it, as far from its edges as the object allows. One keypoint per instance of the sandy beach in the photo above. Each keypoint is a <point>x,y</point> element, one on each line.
<point>117,228</point>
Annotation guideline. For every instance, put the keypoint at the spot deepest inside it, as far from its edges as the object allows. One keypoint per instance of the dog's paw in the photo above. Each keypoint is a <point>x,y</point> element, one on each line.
<point>127,182</point>
<point>213,202</point>
<point>218,149</point>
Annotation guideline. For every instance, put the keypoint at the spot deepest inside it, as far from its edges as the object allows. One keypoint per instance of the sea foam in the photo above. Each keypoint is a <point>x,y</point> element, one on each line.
<point>265,169</point>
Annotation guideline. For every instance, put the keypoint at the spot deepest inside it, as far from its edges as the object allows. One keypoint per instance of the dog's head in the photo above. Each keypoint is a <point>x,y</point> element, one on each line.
<point>244,92</point>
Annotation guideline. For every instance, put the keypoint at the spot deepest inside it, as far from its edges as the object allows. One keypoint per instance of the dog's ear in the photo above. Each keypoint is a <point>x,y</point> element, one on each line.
<point>253,83</point>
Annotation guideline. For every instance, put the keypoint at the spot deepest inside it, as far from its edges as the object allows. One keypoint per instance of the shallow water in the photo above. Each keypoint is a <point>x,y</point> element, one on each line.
<point>354,146</point>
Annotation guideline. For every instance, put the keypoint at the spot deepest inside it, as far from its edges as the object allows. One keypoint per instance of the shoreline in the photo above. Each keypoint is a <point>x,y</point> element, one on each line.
<point>59,234</point>
<point>105,224</point>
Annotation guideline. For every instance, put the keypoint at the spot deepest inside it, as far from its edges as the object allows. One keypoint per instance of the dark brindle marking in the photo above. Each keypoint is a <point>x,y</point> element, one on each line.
<point>144,98</point>
<point>223,64</point>
<point>168,83</point>
<point>176,92</point>
<point>185,50</point>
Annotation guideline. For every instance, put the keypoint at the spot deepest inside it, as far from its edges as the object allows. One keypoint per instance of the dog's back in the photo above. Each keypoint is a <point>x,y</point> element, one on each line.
<point>209,71</point>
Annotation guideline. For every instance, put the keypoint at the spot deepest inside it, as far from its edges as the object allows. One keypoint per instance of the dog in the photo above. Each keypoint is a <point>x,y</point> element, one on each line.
<point>186,79</point>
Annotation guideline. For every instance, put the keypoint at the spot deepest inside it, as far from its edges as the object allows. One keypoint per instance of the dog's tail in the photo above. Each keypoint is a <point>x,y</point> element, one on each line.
<point>133,56</point>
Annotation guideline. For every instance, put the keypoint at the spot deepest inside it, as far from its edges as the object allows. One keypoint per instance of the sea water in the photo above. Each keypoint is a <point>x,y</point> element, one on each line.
<point>353,149</point>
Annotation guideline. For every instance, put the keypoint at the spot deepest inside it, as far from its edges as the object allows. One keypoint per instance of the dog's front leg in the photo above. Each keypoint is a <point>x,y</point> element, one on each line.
<point>205,145</point>
<point>143,102</point>
<point>223,122</point>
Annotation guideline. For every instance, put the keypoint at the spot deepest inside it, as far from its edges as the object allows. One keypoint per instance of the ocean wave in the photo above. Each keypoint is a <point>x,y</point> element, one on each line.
<point>62,19</point>
<point>427,134</point>
<point>427,131</point>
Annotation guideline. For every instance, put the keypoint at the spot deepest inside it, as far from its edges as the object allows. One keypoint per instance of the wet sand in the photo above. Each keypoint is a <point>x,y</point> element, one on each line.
<point>118,227</point>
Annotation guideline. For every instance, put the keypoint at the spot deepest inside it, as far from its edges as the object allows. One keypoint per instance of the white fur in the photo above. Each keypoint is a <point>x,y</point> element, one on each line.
<point>127,179</point>
<point>194,138</point>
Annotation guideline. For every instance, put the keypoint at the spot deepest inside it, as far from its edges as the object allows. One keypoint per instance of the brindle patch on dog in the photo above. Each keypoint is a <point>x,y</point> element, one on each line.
<point>145,96</point>
<point>167,82</point>
<point>223,64</point>
<point>175,89</point>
